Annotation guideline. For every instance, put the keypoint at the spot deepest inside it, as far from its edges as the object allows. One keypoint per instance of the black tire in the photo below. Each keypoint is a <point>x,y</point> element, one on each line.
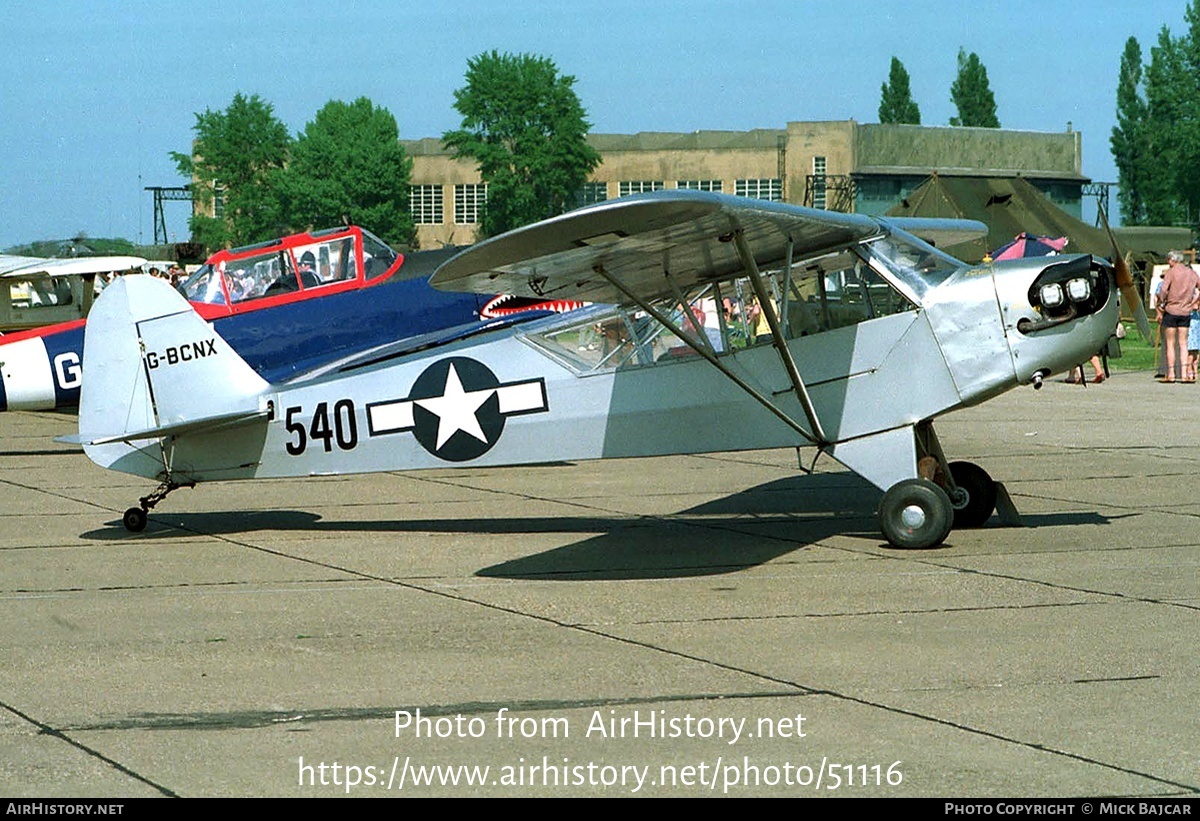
<point>915,514</point>
<point>976,500</point>
<point>135,520</point>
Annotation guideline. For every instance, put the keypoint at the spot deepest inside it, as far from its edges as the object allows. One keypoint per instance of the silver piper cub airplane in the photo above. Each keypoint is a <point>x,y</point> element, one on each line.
<point>729,324</point>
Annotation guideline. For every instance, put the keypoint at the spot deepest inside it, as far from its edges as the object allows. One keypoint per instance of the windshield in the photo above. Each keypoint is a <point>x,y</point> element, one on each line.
<point>378,258</point>
<point>912,263</point>
<point>203,286</point>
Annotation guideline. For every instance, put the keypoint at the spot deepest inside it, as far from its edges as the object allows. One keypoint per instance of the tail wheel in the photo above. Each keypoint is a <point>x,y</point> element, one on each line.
<point>915,514</point>
<point>975,500</point>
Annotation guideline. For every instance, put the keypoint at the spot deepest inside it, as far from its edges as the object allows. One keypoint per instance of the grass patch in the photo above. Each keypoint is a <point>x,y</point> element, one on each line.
<point>1136,353</point>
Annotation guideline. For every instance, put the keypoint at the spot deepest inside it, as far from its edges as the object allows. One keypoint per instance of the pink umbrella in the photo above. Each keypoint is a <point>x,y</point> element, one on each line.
<point>1026,245</point>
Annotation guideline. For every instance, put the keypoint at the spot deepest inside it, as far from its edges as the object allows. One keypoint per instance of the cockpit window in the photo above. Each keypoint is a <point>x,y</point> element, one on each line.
<point>203,286</point>
<point>321,263</point>
<point>602,339</point>
<point>260,276</point>
<point>838,290</point>
<point>377,257</point>
<point>915,264</point>
<point>822,294</point>
<point>337,261</point>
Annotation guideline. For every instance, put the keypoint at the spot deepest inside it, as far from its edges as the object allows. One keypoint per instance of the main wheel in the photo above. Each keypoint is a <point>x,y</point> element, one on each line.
<point>134,520</point>
<point>975,500</point>
<point>915,514</point>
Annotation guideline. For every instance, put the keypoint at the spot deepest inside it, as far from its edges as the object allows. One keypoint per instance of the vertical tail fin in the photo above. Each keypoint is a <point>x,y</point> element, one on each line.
<point>153,367</point>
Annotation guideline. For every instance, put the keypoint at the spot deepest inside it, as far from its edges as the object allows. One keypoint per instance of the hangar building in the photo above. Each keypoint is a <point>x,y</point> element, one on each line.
<point>838,165</point>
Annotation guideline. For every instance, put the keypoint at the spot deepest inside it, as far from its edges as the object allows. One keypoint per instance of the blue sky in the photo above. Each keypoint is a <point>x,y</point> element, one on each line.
<point>95,96</point>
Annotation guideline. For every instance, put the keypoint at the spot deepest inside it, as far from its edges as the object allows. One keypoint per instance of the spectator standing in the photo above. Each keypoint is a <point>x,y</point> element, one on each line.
<point>1178,297</point>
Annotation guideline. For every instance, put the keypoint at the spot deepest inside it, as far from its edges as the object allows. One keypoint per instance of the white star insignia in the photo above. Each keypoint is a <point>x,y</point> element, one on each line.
<point>458,410</point>
<point>455,409</point>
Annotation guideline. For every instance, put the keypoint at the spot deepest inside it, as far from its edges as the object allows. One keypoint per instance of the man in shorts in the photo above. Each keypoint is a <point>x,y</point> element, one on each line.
<point>1177,298</point>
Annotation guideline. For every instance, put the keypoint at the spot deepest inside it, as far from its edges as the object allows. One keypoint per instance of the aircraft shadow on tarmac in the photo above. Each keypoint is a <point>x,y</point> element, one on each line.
<point>735,532</point>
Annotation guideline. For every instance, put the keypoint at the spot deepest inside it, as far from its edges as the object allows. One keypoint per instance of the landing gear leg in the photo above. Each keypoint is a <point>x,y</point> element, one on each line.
<point>924,495</point>
<point>135,518</point>
<point>973,496</point>
<point>971,490</point>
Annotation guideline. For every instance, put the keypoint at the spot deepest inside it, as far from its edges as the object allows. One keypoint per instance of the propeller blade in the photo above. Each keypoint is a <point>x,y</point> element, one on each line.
<point>1133,300</point>
<point>1129,292</point>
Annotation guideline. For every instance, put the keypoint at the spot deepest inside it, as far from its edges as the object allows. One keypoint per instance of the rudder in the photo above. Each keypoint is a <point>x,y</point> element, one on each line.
<point>150,363</point>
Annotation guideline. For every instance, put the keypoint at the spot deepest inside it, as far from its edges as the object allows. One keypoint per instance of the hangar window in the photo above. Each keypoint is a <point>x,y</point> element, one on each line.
<point>593,192</point>
<point>880,189</point>
<point>425,203</point>
<point>770,189</point>
<point>218,192</point>
<point>469,201</point>
<point>700,185</point>
<point>628,187</point>
<point>819,166</point>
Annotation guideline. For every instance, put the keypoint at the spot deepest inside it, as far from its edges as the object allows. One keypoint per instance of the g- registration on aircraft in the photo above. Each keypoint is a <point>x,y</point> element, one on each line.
<point>730,324</point>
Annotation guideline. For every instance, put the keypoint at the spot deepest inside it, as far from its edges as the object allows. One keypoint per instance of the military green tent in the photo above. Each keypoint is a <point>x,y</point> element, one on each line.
<point>1010,205</point>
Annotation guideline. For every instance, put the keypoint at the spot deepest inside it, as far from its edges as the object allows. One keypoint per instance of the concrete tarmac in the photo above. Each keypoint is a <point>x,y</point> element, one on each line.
<point>699,625</point>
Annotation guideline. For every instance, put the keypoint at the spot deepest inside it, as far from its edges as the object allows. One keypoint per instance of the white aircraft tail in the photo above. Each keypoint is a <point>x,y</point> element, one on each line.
<point>153,368</point>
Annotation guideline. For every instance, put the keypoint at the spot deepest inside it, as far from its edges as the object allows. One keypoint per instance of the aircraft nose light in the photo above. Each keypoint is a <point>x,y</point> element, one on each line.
<point>1079,290</point>
<point>1051,295</point>
<point>1067,290</point>
<point>913,516</point>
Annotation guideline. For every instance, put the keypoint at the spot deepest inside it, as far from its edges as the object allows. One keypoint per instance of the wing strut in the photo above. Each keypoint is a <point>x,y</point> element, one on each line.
<point>787,285</point>
<point>691,315</point>
<point>785,355</point>
<point>703,351</point>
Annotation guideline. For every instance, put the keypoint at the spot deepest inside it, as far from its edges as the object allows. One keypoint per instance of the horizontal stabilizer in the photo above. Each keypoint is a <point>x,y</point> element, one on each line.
<point>211,423</point>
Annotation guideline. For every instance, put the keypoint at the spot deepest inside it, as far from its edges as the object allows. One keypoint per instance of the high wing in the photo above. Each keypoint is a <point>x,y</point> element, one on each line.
<point>10,262</point>
<point>75,266</point>
<point>688,235</point>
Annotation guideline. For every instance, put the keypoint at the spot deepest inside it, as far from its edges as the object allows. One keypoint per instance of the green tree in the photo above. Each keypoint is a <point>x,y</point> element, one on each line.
<point>1129,136</point>
<point>1188,127</point>
<point>348,164</point>
<point>1156,143</point>
<point>896,104</point>
<point>1168,99</point>
<point>525,127</point>
<point>235,155</point>
<point>972,95</point>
